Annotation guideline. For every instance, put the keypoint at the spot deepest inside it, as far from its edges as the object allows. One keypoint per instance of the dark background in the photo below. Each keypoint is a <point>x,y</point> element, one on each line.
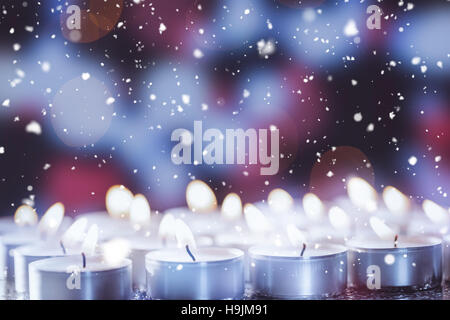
<point>135,150</point>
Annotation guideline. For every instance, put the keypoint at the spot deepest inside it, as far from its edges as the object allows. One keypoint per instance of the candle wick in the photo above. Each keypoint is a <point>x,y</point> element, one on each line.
<point>62,247</point>
<point>303,250</point>
<point>84,259</point>
<point>190,253</point>
<point>396,241</point>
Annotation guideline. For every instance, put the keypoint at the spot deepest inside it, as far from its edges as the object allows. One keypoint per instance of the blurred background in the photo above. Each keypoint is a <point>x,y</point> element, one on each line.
<point>83,109</point>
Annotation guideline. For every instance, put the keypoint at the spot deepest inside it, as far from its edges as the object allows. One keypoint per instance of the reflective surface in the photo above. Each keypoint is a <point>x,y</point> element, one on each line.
<point>441,293</point>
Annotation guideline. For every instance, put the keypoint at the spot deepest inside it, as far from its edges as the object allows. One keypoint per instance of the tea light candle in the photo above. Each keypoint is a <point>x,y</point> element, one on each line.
<point>377,264</point>
<point>65,278</point>
<point>82,277</point>
<point>319,270</point>
<point>391,262</point>
<point>189,273</point>
<point>216,273</point>
<point>24,255</point>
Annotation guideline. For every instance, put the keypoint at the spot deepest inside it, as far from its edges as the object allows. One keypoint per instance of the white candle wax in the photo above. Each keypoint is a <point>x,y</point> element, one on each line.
<point>285,273</point>
<point>64,278</point>
<point>416,262</point>
<point>24,255</point>
<point>217,273</point>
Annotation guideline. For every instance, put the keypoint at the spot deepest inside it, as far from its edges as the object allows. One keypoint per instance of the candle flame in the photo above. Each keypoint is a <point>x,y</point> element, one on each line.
<point>362,194</point>
<point>381,229</point>
<point>114,251</point>
<point>313,207</point>
<point>140,212</point>
<point>90,241</point>
<point>167,227</point>
<point>296,237</point>
<point>435,212</point>
<point>74,235</point>
<point>279,200</point>
<point>184,235</point>
<point>118,201</point>
<point>396,201</point>
<point>25,216</point>
<point>52,219</point>
<point>232,207</point>
<point>339,219</point>
<point>256,220</point>
<point>200,197</point>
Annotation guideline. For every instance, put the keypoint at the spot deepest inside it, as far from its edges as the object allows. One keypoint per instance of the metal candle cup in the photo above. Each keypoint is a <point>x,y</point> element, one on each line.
<point>217,273</point>
<point>284,273</point>
<point>416,263</point>
<point>64,278</point>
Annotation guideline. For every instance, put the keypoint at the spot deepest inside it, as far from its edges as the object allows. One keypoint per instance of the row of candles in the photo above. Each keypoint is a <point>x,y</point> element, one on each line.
<point>282,247</point>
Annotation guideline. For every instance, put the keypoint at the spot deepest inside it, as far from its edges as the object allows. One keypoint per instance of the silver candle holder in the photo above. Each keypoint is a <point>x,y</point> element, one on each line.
<point>63,278</point>
<point>412,263</point>
<point>319,271</point>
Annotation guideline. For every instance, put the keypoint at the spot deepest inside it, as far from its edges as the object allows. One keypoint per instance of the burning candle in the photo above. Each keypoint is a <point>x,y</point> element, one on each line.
<point>82,277</point>
<point>190,273</point>
<point>298,271</point>
<point>31,231</point>
<point>23,256</point>
<point>391,262</point>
